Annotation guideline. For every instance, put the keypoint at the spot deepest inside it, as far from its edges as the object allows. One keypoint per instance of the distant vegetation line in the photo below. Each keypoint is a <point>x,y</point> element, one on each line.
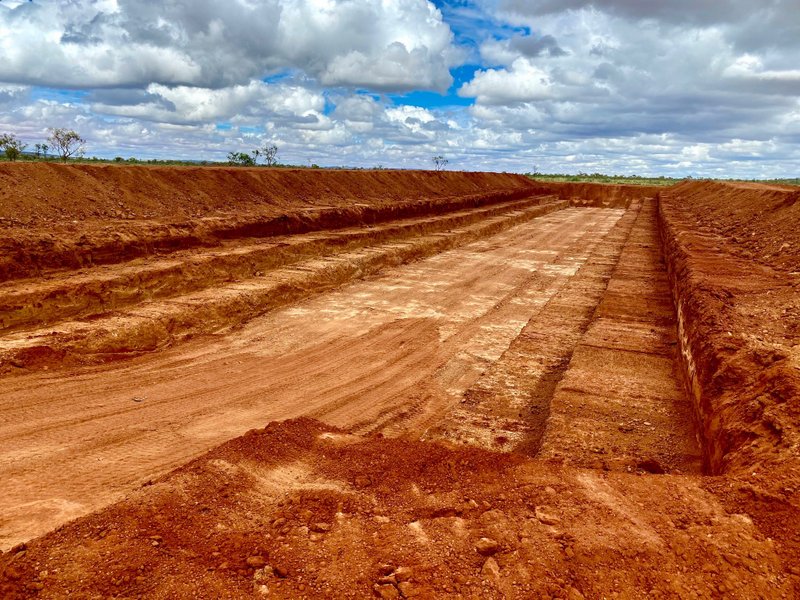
<point>564,177</point>
<point>602,178</point>
<point>637,180</point>
<point>30,157</point>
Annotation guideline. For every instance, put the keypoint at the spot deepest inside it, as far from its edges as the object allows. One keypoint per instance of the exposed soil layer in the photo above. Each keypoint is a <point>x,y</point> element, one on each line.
<point>300,510</point>
<point>620,405</point>
<point>738,304</point>
<point>509,406</point>
<point>149,305</point>
<point>50,192</point>
<point>511,397</point>
<point>389,353</point>
<point>598,194</point>
<point>66,216</point>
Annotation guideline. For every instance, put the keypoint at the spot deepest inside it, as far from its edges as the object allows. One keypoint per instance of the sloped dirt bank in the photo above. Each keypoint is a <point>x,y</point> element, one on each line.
<point>50,192</point>
<point>603,195</point>
<point>74,216</point>
<point>302,510</point>
<point>739,318</point>
<point>153,321</point>
<point>730,251</point>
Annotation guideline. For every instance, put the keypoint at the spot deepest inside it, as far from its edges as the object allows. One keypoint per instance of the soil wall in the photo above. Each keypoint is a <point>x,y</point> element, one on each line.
<point>597,194</point>
<point>731,252</point>
<point>42,191</point>
<point>68,216</point>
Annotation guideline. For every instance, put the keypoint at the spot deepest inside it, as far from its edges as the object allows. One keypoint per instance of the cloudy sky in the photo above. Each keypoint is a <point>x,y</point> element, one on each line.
<point>678,87</point>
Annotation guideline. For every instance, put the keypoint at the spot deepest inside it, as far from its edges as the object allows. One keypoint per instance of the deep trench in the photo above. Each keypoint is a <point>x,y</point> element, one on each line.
<point>639,415</point>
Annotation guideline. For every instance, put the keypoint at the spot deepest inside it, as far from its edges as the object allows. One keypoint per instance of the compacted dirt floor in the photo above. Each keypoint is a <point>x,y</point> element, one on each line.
<point>489,394</point>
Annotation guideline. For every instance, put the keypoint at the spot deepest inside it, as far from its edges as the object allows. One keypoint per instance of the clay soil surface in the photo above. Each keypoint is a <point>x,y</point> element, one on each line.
<point>303,384</point>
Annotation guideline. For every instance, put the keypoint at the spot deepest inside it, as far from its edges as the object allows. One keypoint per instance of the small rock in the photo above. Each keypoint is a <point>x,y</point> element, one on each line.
<point>363,481</point>
<point>279,522</point>
<point>138,399</point>
<point>256,562</point>
<point>574,594</point>
<point>388,579</point>
<point>403,573</point>
<point>280,572</point>
<point>386,569</point>
<point>407,589</point>
<point>386,591</point>
<point>321,527</point>
<point>35,586</point>
<point>486,546</point>
<point>546,516</point>
<point>490,569</point>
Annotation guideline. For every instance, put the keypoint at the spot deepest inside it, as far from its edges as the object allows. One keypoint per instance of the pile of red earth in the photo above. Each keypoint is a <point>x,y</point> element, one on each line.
<point>301,510</point>
<point>70,216</point>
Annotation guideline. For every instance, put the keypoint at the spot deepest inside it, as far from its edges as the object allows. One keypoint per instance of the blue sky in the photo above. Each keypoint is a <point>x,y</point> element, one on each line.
<point>689,87</point>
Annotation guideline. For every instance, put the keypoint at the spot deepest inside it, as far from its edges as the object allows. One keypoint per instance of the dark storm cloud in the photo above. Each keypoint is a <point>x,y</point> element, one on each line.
<point>532,46</point>
<point>128,97</point>
<point>751,25</point>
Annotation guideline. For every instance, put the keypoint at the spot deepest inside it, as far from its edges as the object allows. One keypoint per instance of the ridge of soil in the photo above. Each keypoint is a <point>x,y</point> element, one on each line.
<point>739,320</point>
<point>46,192</point>
<point>151,323</point>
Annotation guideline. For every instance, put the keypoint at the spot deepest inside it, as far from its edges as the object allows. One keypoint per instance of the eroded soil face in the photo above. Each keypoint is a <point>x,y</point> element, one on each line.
<point>489,392</point>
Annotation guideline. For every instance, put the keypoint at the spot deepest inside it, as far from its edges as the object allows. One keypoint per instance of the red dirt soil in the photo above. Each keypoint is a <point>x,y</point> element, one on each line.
<point>70,216</point>
<point>527,393</point>
<point>732,252</point>
<point>301,510</point>
<point>50,192</point>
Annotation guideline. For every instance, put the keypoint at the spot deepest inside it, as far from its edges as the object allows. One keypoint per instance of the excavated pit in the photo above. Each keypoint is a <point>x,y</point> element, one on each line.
<point>517,389</point>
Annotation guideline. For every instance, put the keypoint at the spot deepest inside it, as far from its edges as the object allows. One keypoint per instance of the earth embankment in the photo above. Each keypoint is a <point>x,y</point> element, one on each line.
<point>73,216</point>
<point>732,255</point>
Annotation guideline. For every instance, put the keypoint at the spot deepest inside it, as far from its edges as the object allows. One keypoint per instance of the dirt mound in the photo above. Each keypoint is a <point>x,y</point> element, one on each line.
<point>36,192</point>
<point>72,216</point>
<point>757,222</point>
<point>300,509</point>
<point>728,249</point>
<point>598,194</point>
